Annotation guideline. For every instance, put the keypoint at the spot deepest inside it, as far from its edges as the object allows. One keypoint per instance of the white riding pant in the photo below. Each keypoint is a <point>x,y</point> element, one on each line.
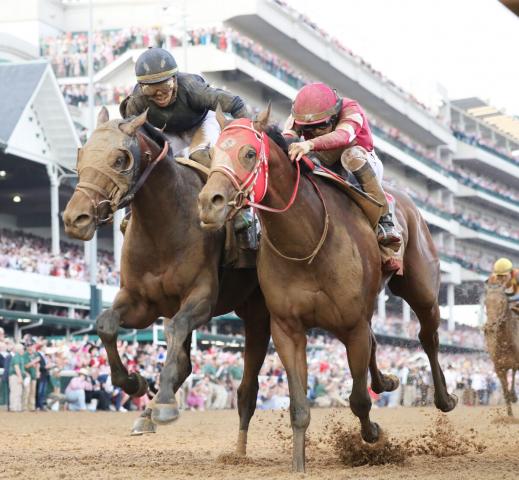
<point>197,138</point>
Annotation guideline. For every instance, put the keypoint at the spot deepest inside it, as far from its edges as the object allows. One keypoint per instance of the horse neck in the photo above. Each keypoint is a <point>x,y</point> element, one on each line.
<point>303,222</point>
<point>159,201</point>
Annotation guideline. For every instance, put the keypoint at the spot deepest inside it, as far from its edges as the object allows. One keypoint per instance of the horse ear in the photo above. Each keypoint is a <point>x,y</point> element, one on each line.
<point>131,127</point>
<point>103,116</point>
<point>220,117</point>
<point>262,120</point>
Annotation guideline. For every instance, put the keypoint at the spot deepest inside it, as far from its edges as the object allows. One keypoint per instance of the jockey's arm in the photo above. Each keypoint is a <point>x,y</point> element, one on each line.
<point>133,104</point>
<point>204,96</point>
<point>349,125</point>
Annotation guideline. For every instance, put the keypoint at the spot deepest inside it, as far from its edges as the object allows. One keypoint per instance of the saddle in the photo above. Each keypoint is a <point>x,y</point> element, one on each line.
<point>392,262</point>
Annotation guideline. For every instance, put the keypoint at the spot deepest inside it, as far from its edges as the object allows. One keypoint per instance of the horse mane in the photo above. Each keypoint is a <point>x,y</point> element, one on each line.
<point>274,133</point>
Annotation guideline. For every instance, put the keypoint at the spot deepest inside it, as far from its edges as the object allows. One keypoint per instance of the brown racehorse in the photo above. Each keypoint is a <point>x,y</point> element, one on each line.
<point>170,267</point>
<point>502,337</point>
<point>319,274</point>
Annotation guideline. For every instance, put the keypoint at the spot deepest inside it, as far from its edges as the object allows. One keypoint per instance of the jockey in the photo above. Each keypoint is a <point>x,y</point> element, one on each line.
<point>505,274</point>
<point>337,129</point>
<point>180,104</point>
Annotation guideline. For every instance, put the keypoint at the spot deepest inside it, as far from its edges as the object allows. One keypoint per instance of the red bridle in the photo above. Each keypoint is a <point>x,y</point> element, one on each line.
<point>251,186</point>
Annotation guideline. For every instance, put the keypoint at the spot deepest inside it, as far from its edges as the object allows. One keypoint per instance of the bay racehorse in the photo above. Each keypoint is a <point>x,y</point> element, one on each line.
<point>170,267</point>
<point>502,338</point>
<point>319,265</point>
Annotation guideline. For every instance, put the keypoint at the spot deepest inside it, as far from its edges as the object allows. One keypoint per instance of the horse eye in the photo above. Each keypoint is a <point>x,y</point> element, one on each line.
<point>251,154</point>
<point>120,161</point>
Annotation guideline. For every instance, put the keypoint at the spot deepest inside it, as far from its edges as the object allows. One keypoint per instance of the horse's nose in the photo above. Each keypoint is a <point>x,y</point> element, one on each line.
<point>77,221</point>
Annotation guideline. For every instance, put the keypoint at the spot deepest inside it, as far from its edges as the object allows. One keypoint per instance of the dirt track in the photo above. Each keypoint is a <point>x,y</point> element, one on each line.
<point>96,446</point>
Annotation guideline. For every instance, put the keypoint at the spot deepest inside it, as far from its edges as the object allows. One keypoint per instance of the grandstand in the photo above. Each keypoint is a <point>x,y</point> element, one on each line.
<point>460,164</point>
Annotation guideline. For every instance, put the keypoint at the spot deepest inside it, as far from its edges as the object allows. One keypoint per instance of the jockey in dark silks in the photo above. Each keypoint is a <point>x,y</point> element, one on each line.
<point>180,104</point>
<point>337,130</point>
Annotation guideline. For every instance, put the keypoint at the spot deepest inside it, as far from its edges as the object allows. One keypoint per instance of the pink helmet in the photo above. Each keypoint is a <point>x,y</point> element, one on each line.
<point>315,103</point>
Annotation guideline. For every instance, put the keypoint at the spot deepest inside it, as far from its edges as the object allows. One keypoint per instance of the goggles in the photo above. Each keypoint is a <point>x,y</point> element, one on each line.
<point>151,90</point>
<point>316,126</point>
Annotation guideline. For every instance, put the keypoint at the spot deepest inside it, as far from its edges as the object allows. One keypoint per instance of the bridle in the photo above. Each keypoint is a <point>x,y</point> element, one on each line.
<point>115,199</point>
<point>251,190</point>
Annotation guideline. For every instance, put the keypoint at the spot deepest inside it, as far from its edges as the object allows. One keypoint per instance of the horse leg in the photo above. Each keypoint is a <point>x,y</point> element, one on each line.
<point>195,311</point>
<point>108,324</point>
<point>143,423</point>
<point>501,374</point>
<point>358,343</point>
<point>380,382</point>
<point>290,344</point>
<point>418,292</point>
<point>513,394</point>
<point>257,337</point>
<point>429,322</point>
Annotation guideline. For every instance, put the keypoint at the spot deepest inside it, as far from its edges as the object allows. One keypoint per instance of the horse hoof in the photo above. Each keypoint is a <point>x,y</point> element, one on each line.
<point>391,382</point>
<point>143,425</point>
<point>373,434</point>
<point>164,413</point>
<point>449,405</point>
<point>141,388</point>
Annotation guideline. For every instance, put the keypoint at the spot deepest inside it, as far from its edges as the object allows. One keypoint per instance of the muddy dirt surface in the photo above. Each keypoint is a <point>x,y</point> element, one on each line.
<point>418,443</point>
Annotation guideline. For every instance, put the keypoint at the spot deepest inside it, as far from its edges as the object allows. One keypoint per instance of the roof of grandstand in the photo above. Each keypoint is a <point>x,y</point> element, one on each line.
<point>36,123</point>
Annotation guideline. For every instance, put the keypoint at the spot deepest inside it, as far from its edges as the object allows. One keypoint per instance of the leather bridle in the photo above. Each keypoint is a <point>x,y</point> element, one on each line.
<point>114,198</point>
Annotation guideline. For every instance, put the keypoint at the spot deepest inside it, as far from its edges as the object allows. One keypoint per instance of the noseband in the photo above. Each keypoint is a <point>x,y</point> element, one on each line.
<point>114,199</point>
<point>252,189</point>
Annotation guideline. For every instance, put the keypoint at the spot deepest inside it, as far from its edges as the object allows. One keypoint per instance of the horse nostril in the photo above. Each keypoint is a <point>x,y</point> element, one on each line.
<point>217,200</point>
<point>82,220</point>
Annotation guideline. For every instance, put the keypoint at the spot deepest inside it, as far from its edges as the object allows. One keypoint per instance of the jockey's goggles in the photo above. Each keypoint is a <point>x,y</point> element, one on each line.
<point>316,126</point>
<point>153,89</point>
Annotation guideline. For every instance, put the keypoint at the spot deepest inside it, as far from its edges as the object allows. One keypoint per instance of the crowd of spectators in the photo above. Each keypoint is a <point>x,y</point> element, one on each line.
<point>484,143</point>
<point>30,253</point>
<point>77,94</point>
<point>54,374</point>
<point>462,335</point>
<point>486,224</point>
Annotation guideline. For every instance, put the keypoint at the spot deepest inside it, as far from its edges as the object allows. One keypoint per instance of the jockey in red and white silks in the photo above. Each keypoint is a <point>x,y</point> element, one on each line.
<point>337,130</point>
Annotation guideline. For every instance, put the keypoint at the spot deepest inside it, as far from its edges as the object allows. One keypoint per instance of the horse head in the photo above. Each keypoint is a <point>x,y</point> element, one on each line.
<point>240,158</point>
<point>496,303</point>
<point>109,168</point>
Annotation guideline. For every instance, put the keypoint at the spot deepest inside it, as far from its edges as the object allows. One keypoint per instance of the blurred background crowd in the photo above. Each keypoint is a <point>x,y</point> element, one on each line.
<point>55,374</point>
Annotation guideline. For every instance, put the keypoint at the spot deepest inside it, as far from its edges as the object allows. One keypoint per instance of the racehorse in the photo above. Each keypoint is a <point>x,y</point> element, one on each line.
<point>170,267</point>
<point>502,337</point>
<point>319,265</point>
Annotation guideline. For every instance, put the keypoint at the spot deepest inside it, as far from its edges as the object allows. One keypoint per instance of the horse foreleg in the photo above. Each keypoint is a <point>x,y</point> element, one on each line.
<point>291,348</point>
<point>513,394</point>
<point>257,336</point>
<point>501,374</point>
<point>195,312</point>
<point>108,324</point>
<point>380,382</point>
<point>358,347</point>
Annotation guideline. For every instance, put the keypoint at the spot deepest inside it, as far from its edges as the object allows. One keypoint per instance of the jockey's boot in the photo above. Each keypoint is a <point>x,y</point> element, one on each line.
<point>201,155</point>
<point>245,229</point>
<point>387,234</point>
